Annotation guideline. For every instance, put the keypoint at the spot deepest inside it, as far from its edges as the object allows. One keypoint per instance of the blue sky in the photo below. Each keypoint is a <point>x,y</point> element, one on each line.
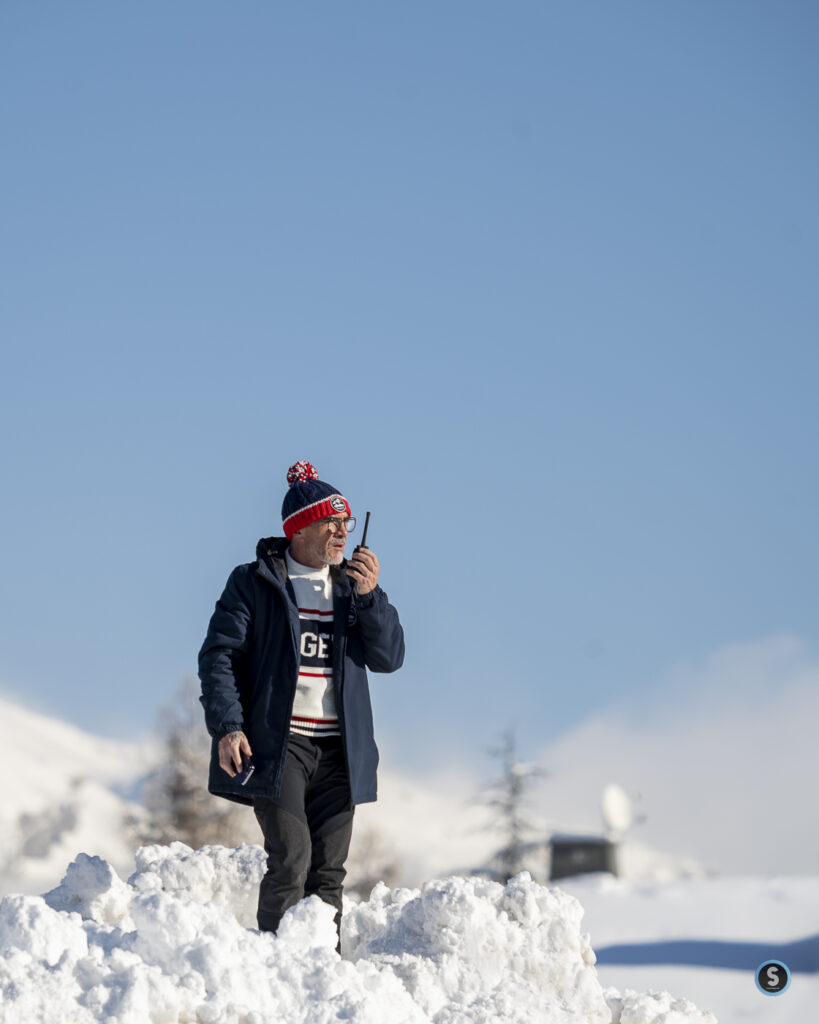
<point>535,283</point>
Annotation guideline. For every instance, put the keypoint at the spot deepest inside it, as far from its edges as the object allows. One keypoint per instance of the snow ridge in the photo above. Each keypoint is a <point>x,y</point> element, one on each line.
<point>176,943</point>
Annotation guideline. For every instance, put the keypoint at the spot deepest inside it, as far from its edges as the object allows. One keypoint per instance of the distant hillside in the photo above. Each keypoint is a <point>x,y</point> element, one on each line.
<point>64,792</point>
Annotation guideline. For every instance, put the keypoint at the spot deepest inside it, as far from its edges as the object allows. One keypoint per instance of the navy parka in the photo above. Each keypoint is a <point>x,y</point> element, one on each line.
<point>249,665</point>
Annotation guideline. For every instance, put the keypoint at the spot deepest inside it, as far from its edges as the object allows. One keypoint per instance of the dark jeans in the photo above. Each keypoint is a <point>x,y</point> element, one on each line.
<point>307,829</point>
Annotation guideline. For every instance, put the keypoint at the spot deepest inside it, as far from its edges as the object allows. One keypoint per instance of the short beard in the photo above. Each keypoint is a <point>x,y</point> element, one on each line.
<point>333,559</point>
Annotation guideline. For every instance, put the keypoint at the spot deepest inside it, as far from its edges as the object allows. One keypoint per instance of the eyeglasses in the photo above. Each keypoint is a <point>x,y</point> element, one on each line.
<point>334,525</point>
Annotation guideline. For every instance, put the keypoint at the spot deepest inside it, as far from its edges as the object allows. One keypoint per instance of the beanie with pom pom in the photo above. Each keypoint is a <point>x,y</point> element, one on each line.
<point>309,499</point>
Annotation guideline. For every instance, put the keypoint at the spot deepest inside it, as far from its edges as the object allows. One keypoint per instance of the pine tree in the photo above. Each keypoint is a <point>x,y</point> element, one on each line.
<point>506,796</point>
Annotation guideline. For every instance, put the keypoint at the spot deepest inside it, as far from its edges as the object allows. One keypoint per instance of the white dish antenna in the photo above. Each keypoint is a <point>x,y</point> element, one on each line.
<point>617,811</point>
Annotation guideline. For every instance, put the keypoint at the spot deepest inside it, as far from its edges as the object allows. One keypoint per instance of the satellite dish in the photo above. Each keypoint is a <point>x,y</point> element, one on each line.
<point>616,805</point>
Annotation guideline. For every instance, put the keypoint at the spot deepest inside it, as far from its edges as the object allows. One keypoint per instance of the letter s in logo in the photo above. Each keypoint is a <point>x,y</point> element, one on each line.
<point>773,977</point>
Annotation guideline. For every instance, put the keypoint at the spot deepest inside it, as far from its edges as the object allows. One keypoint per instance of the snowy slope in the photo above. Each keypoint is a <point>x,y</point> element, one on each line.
<point>62,795</point>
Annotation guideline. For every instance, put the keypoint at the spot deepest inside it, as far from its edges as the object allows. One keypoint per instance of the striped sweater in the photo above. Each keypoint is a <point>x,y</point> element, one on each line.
<point>314,709</point>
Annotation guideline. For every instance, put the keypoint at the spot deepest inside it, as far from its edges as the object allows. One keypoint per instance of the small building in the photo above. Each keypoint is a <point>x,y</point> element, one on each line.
<point>581,855</point>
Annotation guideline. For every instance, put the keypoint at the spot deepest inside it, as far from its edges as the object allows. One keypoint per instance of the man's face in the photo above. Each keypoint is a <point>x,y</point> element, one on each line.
<point>320,543</point>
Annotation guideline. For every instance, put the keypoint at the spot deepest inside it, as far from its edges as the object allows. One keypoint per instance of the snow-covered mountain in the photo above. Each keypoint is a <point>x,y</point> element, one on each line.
<point>64,792</point>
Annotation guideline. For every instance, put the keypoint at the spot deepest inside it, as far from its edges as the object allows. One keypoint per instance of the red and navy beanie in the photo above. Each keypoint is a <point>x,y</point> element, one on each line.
<point>309,499</point>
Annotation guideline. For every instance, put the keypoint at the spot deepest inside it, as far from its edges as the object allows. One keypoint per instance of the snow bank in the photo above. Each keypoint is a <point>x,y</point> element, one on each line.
<point>176,944</point>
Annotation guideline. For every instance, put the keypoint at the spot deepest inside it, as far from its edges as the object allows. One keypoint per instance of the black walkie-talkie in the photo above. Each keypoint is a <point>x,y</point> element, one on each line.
<point>363,543</point>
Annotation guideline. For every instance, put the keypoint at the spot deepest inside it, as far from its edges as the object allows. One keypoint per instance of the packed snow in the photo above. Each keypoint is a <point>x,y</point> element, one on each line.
<point>177,943</point>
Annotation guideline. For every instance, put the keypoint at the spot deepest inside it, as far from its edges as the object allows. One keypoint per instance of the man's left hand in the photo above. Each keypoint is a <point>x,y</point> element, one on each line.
<point>362,569</point>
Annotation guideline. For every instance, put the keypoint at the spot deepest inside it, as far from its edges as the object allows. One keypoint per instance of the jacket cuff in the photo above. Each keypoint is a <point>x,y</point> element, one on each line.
<point>365,600</point>
<point>230,727</point>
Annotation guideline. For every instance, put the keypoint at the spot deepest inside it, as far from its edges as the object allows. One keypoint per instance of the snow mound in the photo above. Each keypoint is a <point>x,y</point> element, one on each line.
<point>172,945</point>
<point>213,874</point>
<point>460,945</point>
<point>653,1008</point>
<point>93,889</point>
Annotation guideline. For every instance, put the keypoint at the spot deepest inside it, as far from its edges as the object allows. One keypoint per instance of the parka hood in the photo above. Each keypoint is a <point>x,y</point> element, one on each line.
<point>273,547</point>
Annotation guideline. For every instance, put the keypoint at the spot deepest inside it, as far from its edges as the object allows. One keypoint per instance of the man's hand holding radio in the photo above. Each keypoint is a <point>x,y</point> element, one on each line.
<point>362,569</point>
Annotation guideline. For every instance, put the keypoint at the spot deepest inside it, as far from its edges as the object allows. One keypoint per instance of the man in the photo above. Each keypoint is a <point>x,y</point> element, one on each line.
<point>284,683</point>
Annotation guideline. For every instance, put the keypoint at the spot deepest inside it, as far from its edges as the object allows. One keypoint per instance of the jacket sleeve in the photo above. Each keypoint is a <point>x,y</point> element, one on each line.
<point>381,633</point>
<point>222,655</point>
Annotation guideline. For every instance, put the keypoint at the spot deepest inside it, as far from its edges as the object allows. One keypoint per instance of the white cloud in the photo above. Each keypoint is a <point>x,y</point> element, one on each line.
<point>723,764</point>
